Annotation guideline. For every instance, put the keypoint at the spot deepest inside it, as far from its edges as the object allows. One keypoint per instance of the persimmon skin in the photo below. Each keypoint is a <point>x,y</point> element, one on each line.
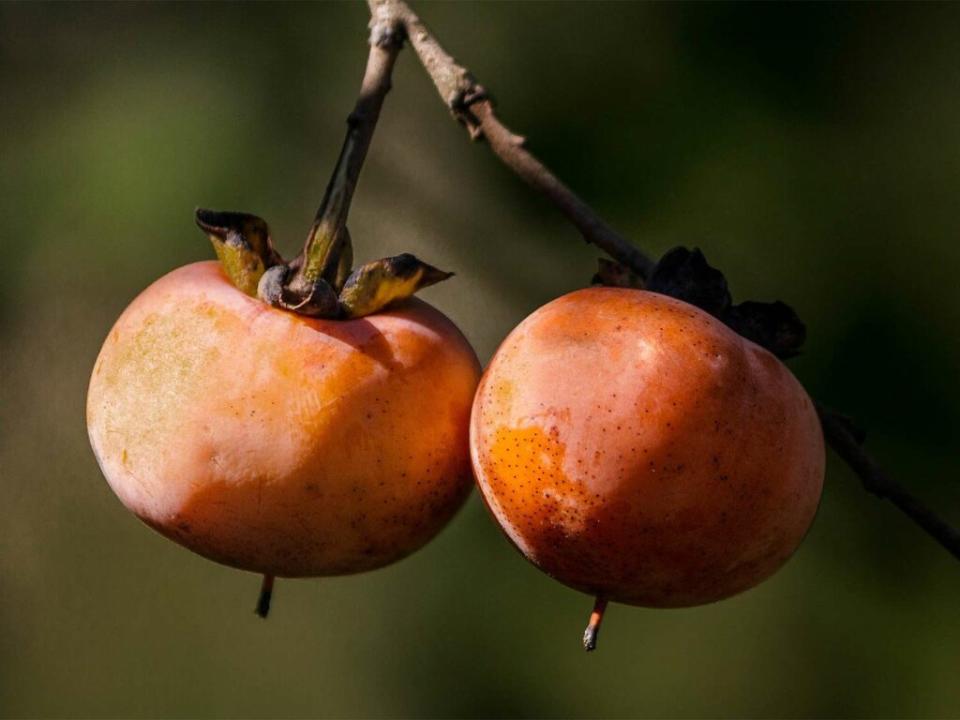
<point>635,448</point>
<point>277,443</point>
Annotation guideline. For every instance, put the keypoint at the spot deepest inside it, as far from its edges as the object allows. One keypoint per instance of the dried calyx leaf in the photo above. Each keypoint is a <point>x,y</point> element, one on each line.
<point>686,275</point>
<point>773,325</point>
<point>375,285</point>
<point>242,243</point>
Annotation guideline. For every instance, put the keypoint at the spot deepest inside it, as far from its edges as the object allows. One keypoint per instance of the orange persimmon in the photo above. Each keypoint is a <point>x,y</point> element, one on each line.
<point>637,449</point>
<point>278,443</point>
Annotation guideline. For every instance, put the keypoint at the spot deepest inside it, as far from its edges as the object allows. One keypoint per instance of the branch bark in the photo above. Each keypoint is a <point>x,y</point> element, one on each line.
<point>847,443</point>
<point>386,40</point>
<point>470,105</point>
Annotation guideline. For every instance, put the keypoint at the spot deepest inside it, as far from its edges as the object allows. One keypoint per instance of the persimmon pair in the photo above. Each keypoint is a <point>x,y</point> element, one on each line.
<point>629,444</point>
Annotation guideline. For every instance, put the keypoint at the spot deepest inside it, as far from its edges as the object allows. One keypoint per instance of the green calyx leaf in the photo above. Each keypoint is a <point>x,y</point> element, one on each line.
<point>375,285</point>
<point>242,244</point>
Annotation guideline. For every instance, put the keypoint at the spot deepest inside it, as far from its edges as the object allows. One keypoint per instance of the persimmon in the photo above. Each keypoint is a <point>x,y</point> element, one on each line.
<point>277,443</point>
<point>635,448</point>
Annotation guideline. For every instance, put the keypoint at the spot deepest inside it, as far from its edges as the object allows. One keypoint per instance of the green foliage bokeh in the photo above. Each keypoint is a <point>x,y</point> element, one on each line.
<point>811,151</point>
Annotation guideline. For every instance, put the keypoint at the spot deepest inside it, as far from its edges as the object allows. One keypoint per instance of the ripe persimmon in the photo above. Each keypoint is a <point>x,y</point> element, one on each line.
<point>634,447</point>
<point>278,443</point>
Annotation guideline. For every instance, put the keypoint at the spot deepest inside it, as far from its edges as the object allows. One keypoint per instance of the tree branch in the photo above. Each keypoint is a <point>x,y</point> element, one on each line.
<point>470,104</point>
<point>847,443</point>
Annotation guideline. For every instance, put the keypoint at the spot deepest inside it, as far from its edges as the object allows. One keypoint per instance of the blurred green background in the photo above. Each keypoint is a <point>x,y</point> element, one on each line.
<point>811,151</point>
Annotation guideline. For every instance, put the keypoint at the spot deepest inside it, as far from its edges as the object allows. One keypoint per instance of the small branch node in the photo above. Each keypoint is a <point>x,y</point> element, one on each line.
<point>471,93</point>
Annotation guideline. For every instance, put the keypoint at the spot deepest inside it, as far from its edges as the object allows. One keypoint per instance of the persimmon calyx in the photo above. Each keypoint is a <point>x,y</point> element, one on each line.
<point>686,275</point>
<point>329,289</point>
<point>368,289</point>
<point>242,244</point>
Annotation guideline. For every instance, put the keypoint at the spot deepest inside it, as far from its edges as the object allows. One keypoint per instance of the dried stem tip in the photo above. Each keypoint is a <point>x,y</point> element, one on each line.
<point>266,592</point>
<point>593,627</point>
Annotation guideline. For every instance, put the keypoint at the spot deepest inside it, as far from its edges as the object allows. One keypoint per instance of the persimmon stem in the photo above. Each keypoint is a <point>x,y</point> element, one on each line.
<point>266,594</point>
<point>592,632</point>
<point>324,245</point>
<point>470,104</point>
